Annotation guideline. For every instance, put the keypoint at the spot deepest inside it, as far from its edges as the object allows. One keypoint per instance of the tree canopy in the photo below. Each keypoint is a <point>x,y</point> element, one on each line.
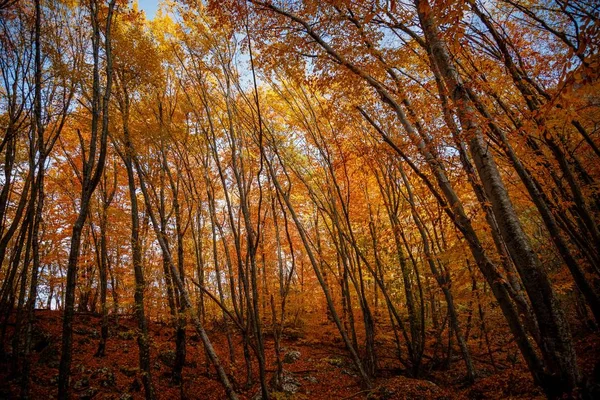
<point>418,178</point>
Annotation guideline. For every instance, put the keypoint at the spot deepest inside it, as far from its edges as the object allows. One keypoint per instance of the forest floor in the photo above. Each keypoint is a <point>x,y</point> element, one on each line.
<point>317,366</point>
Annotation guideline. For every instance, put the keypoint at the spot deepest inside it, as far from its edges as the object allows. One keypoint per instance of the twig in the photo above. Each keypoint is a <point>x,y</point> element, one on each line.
<point>358,393</point>
<point>225,310</point>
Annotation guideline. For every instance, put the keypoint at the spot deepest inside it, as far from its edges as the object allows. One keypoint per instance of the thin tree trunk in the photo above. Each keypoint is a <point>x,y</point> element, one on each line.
<point>557,346</point>
<point>92,171</point>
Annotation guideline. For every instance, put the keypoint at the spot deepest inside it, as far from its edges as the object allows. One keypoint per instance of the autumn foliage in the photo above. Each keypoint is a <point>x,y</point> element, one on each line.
<point>300,199</point>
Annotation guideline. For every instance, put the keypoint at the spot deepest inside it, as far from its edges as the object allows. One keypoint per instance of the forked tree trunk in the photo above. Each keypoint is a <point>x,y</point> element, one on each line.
<point>92,171</point>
